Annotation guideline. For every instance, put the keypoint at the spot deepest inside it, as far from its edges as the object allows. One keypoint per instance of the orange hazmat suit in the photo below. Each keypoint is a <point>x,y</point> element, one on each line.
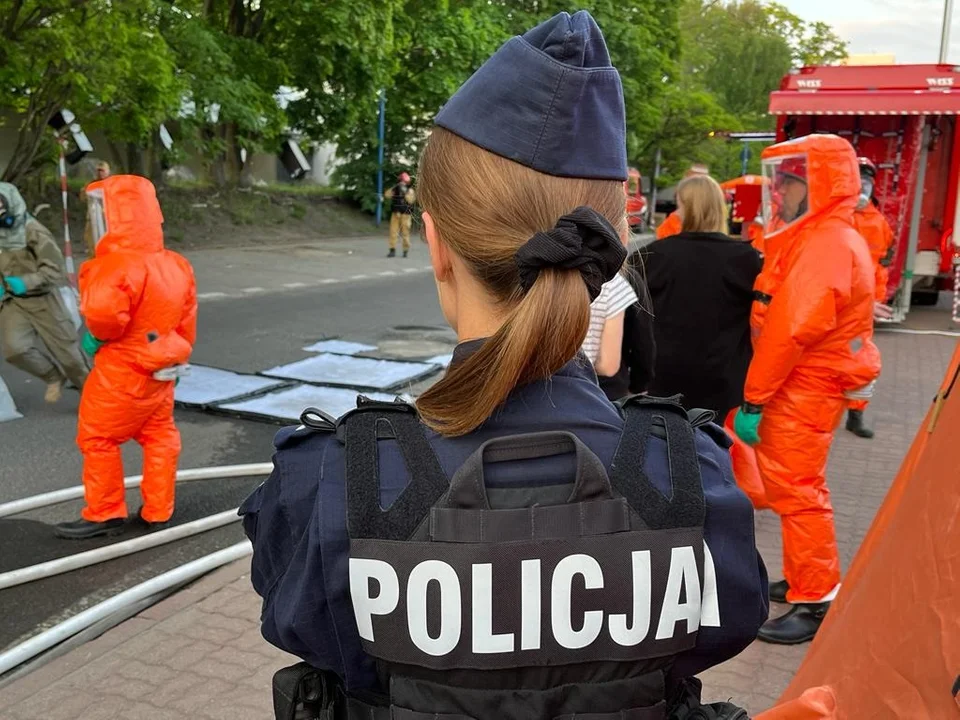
<point>875,229</point>
<point>672,225</point>
<point>813,329</point>
<point>140,301</point>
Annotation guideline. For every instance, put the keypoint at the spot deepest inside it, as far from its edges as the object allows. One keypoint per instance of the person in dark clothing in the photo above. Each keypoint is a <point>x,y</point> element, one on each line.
<point>701,285</point>
<point>639,349</point>
<point>401,198</point>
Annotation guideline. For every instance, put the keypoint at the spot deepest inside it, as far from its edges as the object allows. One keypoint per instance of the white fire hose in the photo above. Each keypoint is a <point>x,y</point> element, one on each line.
<point>19,654</point>
<point>58,496</point>
<point>27,650</point>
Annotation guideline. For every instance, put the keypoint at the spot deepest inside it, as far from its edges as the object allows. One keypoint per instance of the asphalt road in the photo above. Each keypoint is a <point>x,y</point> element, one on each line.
<point>249,333</point>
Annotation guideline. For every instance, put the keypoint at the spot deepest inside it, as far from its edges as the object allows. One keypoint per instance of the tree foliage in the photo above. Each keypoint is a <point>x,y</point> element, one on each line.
<point>733,54</point>
<point>439,43</point>
<point>232,75</point>
<point>57,54</point>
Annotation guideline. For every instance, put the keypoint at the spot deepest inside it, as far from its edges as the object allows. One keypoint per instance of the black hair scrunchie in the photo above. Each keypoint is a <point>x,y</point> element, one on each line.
<point>582,240</point>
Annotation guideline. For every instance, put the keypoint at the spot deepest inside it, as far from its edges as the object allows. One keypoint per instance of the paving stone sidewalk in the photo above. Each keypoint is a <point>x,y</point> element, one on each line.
<point>198,655</point>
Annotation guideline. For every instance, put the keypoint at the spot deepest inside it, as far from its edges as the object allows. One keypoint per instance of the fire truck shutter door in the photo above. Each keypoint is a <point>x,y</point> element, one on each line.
<point>865,102</point>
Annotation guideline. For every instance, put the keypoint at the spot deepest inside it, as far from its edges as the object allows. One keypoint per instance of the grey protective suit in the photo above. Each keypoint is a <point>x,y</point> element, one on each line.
<point>36,332</point>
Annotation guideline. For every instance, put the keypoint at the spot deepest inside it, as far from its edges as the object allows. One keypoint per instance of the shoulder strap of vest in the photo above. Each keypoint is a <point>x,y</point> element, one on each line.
<point>360,430</point>
<point>685,507</point>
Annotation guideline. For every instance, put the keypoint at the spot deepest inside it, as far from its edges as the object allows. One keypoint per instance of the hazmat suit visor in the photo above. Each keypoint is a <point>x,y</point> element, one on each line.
<point>97,214</point>
<point>866,191</point>
<point>785,190</point>
<point>13,218</point>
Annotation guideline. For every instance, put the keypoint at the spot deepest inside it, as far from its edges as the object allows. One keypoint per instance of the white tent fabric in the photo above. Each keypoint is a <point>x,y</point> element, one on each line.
<point>8,409</point>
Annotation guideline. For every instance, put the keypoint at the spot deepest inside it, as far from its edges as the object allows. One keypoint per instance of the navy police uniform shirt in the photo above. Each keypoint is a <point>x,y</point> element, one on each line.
<point>297,522</point>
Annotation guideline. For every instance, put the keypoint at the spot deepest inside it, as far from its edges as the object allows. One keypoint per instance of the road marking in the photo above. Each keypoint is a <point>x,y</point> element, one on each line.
<point>300,285</point>
<point>910,331</point>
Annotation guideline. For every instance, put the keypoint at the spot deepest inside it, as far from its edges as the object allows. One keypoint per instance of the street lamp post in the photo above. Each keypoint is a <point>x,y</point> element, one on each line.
<point>945,30</point>
<point>380,159</point>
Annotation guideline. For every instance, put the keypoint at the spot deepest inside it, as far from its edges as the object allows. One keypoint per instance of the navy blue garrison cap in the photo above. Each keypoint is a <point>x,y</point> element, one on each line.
<point>549,100</point>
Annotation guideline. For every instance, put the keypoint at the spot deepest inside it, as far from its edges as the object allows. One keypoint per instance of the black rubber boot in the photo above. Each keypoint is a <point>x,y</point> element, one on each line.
<point>405,252</point>
<point>778,591</point>
<point>392,253</point>
<point>151,525</point>
<point>856,426</point>
<point>799,625</point>
<point>84,529</point>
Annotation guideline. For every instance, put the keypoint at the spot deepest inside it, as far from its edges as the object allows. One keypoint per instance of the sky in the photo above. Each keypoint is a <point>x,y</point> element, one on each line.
<point>910,29</point>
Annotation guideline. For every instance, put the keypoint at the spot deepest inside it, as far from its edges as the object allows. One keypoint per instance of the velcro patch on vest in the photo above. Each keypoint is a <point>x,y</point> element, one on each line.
<point>618,597</point>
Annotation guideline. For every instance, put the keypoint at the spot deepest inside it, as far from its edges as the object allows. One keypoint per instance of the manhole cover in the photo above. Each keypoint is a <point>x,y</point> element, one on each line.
<point>416,341</point>
<point>413,349</point>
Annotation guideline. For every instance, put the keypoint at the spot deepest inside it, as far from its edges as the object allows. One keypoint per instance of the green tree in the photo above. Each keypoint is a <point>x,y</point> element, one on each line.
<point>736,53</point>
<point>688,116</point>
<point>811,43</point>
<point>338,54</point>
<point>437,44</point>
<point>99,58</point>
<point>643,38</point>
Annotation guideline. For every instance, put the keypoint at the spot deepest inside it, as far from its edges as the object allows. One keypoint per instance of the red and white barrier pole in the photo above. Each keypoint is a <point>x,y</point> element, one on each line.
<point>956,288</point>
<point>67,246</point>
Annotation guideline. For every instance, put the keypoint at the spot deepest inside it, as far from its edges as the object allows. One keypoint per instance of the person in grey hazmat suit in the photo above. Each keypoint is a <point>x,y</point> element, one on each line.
<point>37,334</point>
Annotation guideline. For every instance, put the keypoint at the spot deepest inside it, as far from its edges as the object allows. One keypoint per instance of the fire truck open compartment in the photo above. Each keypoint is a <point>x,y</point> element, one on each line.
<point>904,118</point>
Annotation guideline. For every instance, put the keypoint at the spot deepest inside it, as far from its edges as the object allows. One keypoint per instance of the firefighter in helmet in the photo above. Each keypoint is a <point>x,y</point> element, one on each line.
<point>875,229</point>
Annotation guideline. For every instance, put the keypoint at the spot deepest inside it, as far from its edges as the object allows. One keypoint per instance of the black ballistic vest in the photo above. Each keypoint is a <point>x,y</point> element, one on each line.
<point>398,200</point>
<point>563,602</point>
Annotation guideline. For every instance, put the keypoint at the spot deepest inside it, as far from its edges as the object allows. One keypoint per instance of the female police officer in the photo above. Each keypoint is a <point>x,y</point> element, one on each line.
<point>514,545</point>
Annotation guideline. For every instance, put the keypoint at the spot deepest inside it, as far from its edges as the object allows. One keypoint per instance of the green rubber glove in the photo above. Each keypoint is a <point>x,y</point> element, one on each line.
<point>91,346</point>
<point>746,423</point>
<point>16,285</point>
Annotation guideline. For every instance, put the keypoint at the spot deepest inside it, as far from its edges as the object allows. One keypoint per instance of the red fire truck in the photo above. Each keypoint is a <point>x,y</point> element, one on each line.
<point>904,118</point>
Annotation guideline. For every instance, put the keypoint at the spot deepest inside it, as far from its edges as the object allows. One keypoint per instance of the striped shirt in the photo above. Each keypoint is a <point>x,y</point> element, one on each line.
<point>615,297</point>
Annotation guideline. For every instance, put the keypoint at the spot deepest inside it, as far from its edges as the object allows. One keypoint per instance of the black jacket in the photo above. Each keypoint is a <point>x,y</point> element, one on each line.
<point>639,351</point>
<point>701,285</point>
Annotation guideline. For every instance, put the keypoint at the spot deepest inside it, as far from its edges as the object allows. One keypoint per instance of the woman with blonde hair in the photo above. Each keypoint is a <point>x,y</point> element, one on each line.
<point>496,550</point>
<point>701,285</point>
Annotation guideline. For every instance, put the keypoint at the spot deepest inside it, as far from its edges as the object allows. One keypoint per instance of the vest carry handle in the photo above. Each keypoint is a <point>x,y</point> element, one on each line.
<point>468,489</point>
